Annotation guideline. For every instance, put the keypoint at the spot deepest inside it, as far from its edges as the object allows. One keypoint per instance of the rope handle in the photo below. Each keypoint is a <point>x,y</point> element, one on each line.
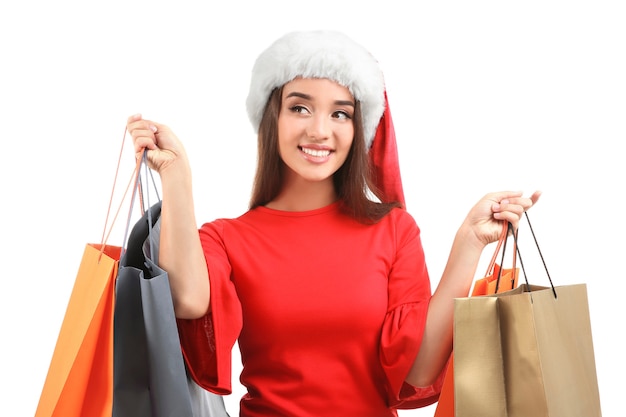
<point>502,241</point>
<point>105,234</point>
<point>141,194</point>
<point>137,194</point>
<point>540,255</point>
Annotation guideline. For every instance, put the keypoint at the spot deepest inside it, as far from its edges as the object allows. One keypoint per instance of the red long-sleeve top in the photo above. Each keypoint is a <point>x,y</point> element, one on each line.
<point>329,313</point>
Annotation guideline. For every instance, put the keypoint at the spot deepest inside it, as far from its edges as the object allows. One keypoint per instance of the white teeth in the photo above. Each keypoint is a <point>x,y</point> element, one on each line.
<point>315,152</point>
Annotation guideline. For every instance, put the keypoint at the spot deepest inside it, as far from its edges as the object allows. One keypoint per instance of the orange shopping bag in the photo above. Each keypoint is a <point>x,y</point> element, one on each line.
<point>80,376</point>
<point>495,280</point>
<point>79,382</point>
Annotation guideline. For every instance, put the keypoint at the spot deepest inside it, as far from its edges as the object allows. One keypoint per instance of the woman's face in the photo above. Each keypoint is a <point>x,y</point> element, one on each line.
<point>315,128</point>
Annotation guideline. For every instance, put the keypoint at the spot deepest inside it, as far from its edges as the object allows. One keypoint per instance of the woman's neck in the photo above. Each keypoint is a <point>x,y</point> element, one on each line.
<point>302,195</point>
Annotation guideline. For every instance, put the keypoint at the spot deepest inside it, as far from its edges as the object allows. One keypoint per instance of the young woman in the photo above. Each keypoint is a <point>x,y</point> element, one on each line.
<point>322,281</point>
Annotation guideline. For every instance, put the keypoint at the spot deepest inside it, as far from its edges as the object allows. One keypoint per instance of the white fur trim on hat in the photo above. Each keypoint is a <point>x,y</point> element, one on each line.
<point>319,54</point>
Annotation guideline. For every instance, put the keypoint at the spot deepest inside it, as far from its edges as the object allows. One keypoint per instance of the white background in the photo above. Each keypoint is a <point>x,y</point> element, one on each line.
<point>485,95</point>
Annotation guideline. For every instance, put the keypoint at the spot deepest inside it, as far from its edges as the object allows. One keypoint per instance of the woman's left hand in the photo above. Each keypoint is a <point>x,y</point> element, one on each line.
<point>491,213</point>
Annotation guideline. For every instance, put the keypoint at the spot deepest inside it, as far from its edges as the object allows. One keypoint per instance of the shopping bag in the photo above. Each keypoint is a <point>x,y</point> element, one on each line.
<point>525,352</point>
<point>80,376</point>
<point>150,378</point>
<point>495,280</point>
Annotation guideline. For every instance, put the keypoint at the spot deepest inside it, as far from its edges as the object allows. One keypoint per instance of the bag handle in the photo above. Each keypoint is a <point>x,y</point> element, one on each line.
<point>540,255</point>
<point>504,237</point>
<point>106,234</point>
<point>135,179</point>
<point>501,240</point>
<point>148,174</point>
<point>138,195</point>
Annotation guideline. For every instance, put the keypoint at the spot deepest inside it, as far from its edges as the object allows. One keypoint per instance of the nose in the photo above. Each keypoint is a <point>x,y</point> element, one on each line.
<point>319,127</point>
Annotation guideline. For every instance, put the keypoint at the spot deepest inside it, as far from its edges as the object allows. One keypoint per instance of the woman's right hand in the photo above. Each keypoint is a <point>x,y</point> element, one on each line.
<point>164,148</point>
<point>180,251</point>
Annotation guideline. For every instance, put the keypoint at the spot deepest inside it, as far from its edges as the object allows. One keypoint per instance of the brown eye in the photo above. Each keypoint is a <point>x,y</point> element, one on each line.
<point>342,115</point>
<point>299,109</point>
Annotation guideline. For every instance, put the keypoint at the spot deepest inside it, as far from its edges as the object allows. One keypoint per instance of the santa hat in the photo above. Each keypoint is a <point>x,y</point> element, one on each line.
<point>333,55</point>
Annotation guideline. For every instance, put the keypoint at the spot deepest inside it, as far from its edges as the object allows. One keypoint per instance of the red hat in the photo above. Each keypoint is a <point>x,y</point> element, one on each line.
<point>333,55</point>
<point>383,154</point>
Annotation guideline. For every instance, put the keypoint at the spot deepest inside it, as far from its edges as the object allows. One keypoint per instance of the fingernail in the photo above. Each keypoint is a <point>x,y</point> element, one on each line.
<point>153,128</point>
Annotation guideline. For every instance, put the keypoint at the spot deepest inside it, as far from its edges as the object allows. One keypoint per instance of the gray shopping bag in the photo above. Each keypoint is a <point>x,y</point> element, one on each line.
<point>149,374</point>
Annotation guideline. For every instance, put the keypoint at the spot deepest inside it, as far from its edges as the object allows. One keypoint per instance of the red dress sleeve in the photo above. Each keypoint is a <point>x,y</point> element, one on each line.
<point>403,328</point>
<point>207,342</point>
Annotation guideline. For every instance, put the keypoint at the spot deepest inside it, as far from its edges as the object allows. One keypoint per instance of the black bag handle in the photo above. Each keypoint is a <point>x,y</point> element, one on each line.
<point>509,228</point>
<point>540,255</point>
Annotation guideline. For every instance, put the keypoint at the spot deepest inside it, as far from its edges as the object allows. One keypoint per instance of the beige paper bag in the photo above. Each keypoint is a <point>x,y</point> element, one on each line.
<point>525,353</point>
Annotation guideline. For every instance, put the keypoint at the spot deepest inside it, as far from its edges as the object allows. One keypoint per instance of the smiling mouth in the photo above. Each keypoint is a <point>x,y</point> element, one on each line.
<point>316,152</point>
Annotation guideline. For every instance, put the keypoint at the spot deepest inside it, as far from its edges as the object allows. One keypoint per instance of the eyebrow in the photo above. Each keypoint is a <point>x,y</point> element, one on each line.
<point>308,97</point>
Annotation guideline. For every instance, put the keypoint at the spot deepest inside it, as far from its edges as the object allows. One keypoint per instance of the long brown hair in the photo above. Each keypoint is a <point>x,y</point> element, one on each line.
<point>352,180</point>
